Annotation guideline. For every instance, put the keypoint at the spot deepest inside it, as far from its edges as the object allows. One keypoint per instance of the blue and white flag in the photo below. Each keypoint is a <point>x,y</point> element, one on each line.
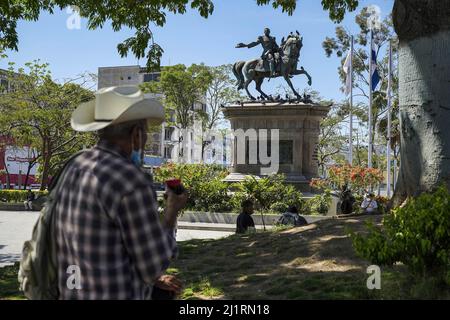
<point>373,61</point>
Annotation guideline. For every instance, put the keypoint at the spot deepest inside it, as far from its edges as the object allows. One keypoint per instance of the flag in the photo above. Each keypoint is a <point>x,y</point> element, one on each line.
<point>347,68</point>
<point>373,61</point>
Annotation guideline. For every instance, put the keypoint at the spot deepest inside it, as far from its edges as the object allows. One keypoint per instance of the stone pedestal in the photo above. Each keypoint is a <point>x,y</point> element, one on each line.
<point>298,126</point>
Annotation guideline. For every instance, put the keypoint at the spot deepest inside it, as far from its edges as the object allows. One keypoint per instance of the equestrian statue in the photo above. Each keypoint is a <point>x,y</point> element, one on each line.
<point>275,61</point>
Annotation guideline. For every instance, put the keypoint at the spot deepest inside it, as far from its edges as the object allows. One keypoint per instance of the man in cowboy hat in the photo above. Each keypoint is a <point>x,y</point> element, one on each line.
<point>111,243</point>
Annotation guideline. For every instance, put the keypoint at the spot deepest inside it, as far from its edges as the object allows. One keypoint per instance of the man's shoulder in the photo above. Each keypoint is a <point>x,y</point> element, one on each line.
<point>113,172</point>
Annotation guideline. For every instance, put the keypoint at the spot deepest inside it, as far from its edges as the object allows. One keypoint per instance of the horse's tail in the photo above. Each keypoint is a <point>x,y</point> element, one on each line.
<point>237,70</point>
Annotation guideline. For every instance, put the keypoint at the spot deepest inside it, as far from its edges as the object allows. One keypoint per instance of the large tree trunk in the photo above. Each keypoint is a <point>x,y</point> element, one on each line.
<point>424,92</point>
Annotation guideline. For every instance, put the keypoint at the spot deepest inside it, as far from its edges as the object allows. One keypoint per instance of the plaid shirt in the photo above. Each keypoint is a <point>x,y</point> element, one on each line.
<point>107,226</point>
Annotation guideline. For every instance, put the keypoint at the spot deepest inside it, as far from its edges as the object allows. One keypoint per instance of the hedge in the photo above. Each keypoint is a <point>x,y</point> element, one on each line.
<point>18,195</point>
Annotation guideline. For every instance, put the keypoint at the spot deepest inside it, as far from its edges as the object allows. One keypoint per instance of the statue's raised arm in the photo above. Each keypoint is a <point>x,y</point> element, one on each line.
<point>250,45</point>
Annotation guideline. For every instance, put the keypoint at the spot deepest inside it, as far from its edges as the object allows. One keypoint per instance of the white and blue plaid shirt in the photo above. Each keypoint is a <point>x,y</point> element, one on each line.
<point>108,229</point>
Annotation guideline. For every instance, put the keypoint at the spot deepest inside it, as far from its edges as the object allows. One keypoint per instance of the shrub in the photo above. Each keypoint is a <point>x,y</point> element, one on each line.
<point>264,191</point>
<point>18,195</point>
<point>359,178</point>
<point>212,196</point>
<point>418,235</point>
<point>203,181</point>
<point>320,203</point>
<point>290,197</point>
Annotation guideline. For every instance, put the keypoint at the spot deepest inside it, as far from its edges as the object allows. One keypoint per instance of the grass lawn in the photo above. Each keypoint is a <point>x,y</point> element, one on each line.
<point>9,284</point>
<point>312,262</point>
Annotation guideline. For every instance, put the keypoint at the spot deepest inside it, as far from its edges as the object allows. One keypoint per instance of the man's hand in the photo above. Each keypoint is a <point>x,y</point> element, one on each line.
<point>169,283</point>
<point>241,45</point>
<point>174,203</point>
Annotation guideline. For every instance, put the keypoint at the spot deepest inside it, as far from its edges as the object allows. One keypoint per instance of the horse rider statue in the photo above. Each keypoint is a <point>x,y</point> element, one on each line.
<point>270,50</point>
<point>276,61</point>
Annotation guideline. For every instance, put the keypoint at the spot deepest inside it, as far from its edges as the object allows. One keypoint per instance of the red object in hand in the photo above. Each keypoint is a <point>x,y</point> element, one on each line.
<point>175,185</point>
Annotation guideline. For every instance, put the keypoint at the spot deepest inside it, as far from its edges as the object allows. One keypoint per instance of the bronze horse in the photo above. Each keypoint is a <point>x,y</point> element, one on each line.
<point>253,70</point>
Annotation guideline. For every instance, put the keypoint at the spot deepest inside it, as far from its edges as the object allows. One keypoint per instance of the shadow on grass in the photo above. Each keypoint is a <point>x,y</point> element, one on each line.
<point>312,262</point>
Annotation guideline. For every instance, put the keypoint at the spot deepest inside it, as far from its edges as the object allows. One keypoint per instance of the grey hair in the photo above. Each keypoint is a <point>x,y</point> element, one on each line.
<point>121,130</point>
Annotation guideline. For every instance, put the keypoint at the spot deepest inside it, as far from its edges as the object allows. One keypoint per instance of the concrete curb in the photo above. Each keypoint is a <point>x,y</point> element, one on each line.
<point>230,218</point>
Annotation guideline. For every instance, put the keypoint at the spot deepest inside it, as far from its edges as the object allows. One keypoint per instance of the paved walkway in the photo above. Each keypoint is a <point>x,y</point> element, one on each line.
<point>16,228</point>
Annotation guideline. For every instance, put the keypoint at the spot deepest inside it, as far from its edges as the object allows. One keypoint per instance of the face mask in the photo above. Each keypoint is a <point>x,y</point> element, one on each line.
<point>136,156</point>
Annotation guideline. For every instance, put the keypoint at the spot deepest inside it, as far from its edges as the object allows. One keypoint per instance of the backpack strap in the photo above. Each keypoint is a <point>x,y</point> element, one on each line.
<point>57,179</point>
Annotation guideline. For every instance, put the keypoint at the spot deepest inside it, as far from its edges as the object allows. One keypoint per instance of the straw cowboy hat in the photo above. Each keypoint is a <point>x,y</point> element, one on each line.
<point>115,105</point>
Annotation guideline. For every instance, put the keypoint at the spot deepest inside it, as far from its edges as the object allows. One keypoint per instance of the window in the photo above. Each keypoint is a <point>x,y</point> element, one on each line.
<point>168,134</point>
<point>149,77</point>
<point>167,153</point>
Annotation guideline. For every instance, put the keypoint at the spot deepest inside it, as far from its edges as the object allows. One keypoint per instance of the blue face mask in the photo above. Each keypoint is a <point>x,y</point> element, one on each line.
<point>136,157</point>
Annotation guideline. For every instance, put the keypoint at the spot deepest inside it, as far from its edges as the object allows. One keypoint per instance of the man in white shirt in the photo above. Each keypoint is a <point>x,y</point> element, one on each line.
<point>369,204</point>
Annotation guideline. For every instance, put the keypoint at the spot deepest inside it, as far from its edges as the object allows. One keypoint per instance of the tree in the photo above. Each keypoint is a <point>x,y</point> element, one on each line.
<point>331,139</point>
<point>37,112</point>
<point>182,89</point>
<point>340,45</point>
<point>423,28</point>
<point>137,15</point>
<point>221,91</point>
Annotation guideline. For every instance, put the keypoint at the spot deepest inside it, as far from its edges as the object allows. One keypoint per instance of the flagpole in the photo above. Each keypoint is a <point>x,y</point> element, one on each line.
<point>350,136</point>
<point>389,106</point>
<point>369,159</point>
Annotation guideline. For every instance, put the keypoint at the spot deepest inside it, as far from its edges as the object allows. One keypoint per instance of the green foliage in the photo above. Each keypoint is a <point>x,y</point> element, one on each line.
<point>264,191</point>
<point>340,45</point>
<point>37,114</point>
<point>418,235</point>
<point>319,203</point>
<point>136,15</point>
<point>207,191</point>
<point>19,195</point>
<point>290,197</point>
<point>182,88</point>
<point>220,91</point>
<point>270,194</point>
<point>212,196</point>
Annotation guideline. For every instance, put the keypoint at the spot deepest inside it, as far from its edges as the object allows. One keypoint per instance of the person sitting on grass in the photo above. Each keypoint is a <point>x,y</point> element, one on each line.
<point>29,202</point>
<point>369,204</point>
<point>291,217</point>
<point>244,222</point>
<point>347,200</point>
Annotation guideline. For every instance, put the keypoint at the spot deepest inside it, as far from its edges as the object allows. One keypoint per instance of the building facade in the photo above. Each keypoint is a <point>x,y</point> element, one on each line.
<point>170,143</point>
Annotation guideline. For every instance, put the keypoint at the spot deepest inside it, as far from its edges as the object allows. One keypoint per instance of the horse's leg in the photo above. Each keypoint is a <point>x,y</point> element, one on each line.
<point>259,82</point>
<point>249,73</point>
<point>247,82</point>
<point>303,71</point>
<point>286,77</point>
<point>237,70</point>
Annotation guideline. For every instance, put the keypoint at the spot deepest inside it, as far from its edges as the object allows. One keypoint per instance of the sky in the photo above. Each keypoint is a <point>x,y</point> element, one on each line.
<point>190,38</point>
